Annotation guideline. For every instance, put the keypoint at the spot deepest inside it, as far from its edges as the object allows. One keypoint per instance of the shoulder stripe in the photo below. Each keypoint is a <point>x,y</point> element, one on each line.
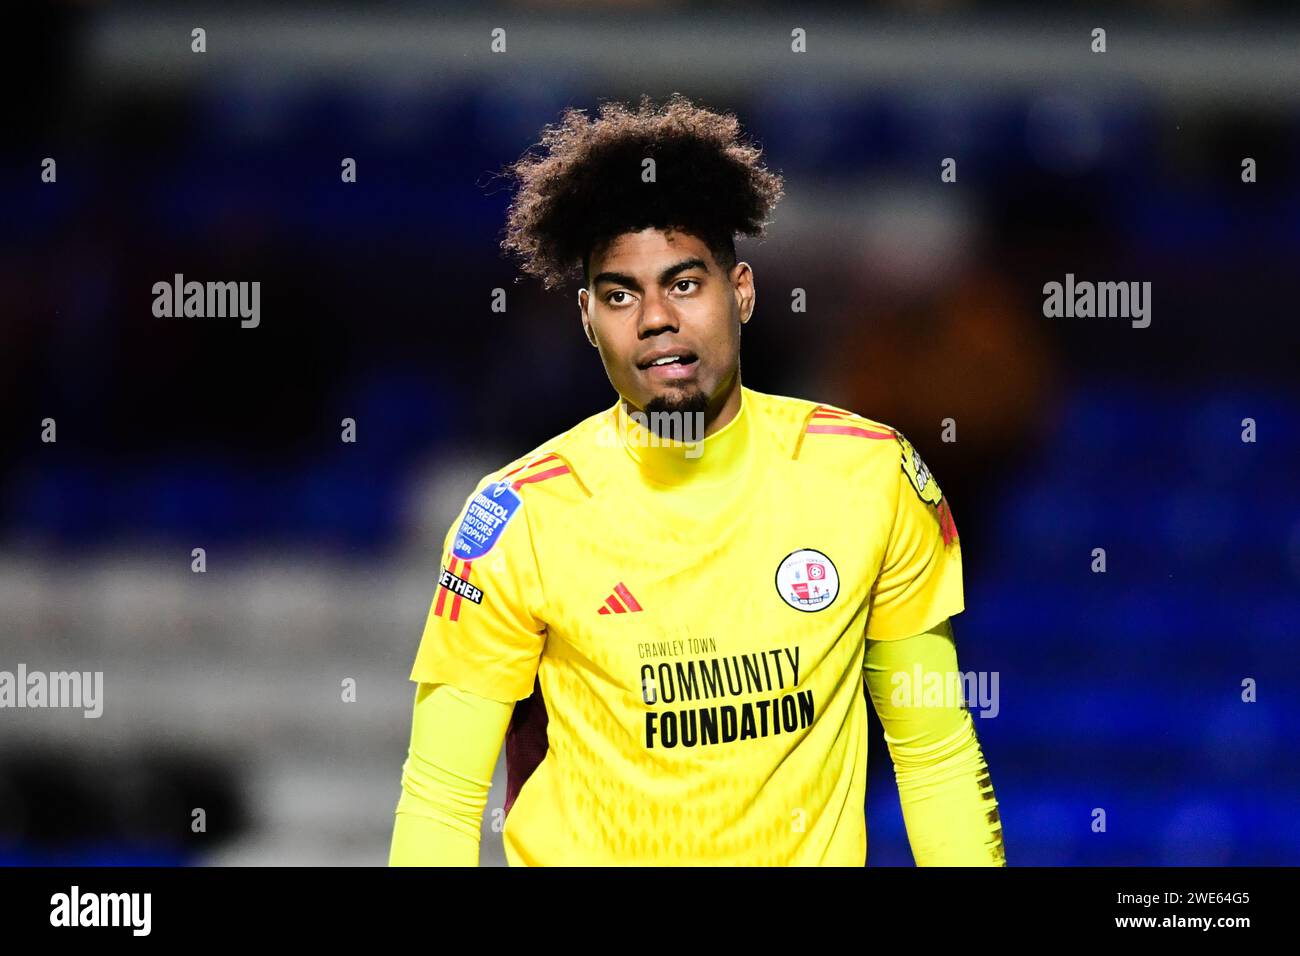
<point>530,464</point>
<point>528,473</point>
<point>829,420</point>
<point>846,430</point>
<point>540,476</point>
<point>846,423</point>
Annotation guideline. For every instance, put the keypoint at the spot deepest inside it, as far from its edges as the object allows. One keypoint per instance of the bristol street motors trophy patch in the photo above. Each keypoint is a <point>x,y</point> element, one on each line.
<point>485,519</point>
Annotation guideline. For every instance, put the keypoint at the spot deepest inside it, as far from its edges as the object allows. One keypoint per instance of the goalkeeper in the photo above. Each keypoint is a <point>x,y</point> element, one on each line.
<point>668,613</point>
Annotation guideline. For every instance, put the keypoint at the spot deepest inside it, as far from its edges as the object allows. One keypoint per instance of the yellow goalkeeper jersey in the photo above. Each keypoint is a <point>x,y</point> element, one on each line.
<point>690,620</point>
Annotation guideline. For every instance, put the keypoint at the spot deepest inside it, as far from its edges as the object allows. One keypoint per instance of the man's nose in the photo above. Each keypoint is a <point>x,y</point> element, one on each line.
<point>657,315</point>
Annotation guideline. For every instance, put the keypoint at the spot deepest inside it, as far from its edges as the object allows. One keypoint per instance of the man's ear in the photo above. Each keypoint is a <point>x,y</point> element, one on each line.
<point>583,300</point>
<point>742,283</point>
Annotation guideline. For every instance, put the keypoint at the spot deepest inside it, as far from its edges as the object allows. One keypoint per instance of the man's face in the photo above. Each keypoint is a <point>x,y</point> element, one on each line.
<point>666,319</point>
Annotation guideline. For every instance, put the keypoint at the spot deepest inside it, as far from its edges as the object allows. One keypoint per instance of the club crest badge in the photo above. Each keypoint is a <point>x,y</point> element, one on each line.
<point>917,472</point>
<point>807,580</point>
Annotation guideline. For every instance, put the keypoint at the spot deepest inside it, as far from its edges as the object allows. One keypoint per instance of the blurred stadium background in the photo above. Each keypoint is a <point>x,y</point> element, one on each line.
<point>1118,690</point>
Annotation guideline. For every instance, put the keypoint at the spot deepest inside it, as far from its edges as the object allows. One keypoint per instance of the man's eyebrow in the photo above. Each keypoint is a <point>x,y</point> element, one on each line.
<point>694,263</point>
<point>618,278</point>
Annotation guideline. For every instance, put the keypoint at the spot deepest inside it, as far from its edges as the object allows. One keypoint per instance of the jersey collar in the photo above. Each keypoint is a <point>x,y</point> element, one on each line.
<point>716,460</point>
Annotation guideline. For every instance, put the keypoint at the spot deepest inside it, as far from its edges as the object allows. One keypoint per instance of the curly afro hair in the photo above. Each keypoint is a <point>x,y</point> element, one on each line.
<point>587,187</point>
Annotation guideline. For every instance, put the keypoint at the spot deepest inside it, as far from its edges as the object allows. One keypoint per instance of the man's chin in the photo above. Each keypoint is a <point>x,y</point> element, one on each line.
<point>688,400</point>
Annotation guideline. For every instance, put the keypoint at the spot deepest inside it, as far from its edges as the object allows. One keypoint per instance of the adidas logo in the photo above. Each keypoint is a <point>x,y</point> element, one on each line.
<point>620,602</point>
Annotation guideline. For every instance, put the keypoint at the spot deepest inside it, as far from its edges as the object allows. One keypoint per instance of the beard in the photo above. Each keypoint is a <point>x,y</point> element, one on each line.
<point>686,405</point>
<point>679,400</point>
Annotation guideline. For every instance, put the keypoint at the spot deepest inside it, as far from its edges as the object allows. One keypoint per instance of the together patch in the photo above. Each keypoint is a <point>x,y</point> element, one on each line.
<point>458,585</point>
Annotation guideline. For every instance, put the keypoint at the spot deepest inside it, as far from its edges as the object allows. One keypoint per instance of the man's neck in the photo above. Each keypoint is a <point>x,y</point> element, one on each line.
<point>726,407</point>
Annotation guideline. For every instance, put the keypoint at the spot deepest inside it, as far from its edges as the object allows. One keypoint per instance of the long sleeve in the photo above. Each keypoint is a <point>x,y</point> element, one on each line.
<point>944,786</point>
<point>456,737</point>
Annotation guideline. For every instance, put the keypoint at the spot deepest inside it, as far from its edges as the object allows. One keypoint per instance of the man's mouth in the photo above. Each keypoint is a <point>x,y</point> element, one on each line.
<point>670,364</point>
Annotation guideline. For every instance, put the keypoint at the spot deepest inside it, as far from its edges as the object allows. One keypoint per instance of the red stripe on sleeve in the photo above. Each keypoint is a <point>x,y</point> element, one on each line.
<point>529,464</point>
<point>846,430</point>
<point>442,592</point>
<point>947,527</point>
<point>455,604</point>
<point>540,476</point>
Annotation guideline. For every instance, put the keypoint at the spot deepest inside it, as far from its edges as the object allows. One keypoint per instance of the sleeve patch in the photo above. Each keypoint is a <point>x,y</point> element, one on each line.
<point>460,586</point>
<point>927,489</point>
<point>485,520</point>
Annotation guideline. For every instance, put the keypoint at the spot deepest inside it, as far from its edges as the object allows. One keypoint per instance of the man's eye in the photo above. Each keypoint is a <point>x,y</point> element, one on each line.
<point>610,298</point>
<point>685,282</point>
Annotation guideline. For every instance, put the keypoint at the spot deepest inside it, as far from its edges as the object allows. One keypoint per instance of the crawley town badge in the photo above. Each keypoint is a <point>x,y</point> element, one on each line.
<point>807,580</point>
<point>917,473</point>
